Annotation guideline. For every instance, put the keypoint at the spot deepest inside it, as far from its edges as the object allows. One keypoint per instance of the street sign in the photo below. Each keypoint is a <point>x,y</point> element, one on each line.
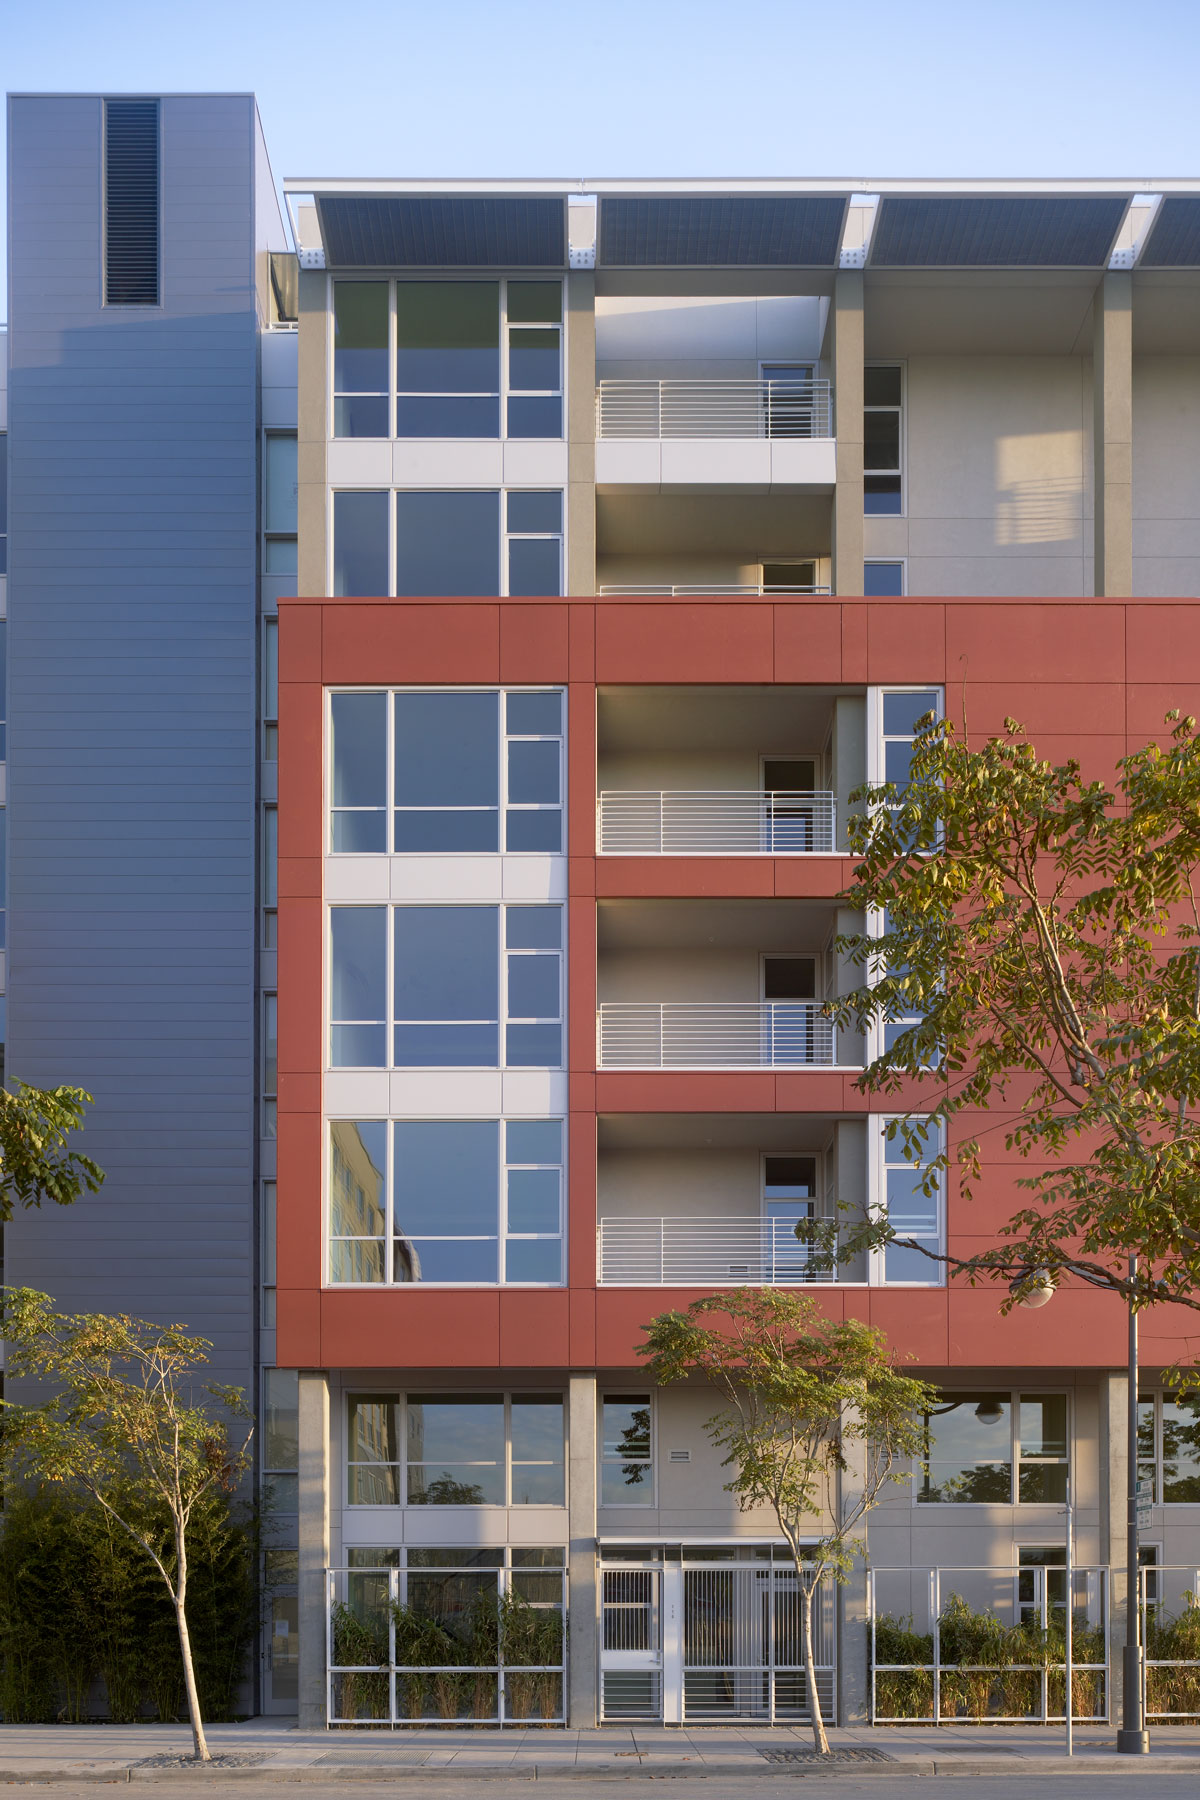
<point>1145,1490</point>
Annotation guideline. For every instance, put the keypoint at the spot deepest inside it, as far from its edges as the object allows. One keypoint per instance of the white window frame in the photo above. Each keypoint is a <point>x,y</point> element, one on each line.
<point>612,1390</point>
<point>877,1167</point>
<point>504,737</point>
<point>501,1234</point>
<point>891,562</point>
<point>500,281</point>
<point>502,492</point>
<point>891,362</point>
<point>505,1396</point>
<point>1013,1395</point>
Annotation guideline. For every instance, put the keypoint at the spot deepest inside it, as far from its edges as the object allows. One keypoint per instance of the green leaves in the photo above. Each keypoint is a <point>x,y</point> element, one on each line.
<point>35,1161</point>
<point>1041,933</point>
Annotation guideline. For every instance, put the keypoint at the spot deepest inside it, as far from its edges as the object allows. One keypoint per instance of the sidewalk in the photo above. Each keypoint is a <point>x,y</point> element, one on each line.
<point>275,1748</point>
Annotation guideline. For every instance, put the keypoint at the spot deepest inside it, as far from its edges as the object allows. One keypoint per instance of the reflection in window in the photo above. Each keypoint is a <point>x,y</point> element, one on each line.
<point>357,1200</point>
<point>625,1454</point>
<point>1169,1447</point>
<point>360,359</point>
<point>978,1442</point>
<point>281,1438</point>
<point>883,394</point>
<point>459,1450</point>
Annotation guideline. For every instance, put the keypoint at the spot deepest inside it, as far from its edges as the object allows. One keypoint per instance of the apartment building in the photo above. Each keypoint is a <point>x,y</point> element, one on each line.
<point>531,572</point>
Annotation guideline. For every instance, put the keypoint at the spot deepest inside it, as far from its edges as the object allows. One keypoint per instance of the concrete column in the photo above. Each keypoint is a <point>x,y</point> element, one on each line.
<point>583,1665</point>
<point>1112,365</point>
<point>853,1634</point>
<point>581,432</point>
<point>847,376</point>
<point>1114,1532</point>
<point>314,1543</point>
<point>312,431</point>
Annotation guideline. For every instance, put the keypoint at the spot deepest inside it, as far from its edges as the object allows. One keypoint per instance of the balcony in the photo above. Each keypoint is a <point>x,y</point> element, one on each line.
<point>704,1251</point>
<point>738,433</point>
<point>715,822</point>
<point>707,590</point>
<point>763,1034</point>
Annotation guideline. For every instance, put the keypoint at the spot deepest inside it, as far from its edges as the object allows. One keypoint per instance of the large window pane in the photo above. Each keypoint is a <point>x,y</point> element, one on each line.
<point>447,772</point>
<point>625,1467</point>
<point>447,543</point>
<point>448,337</point>
<point>359,774</point>
<point>280,508</point>
<point>537,1450</point>
<point>455,1451</point>
<point>970,1449</point>
<point>1181,1451</point>
<point>360,543</point>
<point>447,1178</point>
<point>281,1435</point>
<point>360,358</point>
<point>358,998</point>
<point>1043,1472</point>
<point>373,1440</point>
<point>357,1176</point>
<point>447,1003</point>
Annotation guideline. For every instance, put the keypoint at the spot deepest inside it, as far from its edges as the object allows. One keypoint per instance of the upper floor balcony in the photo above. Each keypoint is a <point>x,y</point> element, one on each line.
<point>763,432</point>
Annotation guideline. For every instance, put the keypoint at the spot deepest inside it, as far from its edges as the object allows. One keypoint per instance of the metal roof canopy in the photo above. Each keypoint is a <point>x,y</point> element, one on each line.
<point>741,231</point>
<point>1174,241</point>
<point>1002,231</point>
<point>368,231</point>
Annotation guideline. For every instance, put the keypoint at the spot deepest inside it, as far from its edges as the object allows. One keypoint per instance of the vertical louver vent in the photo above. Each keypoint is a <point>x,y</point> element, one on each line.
<point>131,202</point>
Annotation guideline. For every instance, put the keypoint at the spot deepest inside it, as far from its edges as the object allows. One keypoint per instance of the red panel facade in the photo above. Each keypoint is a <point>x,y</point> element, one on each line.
<point>1088,678</point>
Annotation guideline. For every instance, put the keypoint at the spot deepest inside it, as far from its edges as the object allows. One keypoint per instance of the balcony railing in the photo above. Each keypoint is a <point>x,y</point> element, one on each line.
<point>735,1034</point>
<point>715,822</point>
<point>652,590</point>
<point>705,1252</point>
<point>714,409</point>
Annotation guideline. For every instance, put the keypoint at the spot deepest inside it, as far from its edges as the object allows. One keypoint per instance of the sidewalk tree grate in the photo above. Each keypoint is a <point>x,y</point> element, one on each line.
<point>813,1757</point>
<point>226,1759</point>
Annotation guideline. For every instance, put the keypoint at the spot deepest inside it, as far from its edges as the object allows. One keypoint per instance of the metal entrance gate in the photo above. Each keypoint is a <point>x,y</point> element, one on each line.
<point>712,1636</point>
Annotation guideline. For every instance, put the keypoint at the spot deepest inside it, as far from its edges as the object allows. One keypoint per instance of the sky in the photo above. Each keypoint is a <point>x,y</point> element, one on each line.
<point>656,87</point>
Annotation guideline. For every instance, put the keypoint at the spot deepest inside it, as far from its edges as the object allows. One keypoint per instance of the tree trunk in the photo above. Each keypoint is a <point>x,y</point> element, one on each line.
<point>810,1671</point>
<point>199,1741</point>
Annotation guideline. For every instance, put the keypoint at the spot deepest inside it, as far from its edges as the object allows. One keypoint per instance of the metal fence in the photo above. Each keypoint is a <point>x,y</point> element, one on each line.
<point>987,1644</point>
<point>715,822</point>
<point>736,589</point>
<point>705,1251</point>
<point>742,408</point>
<point>735,1034</point>
<point>1169,1596</point>
<point>444,1647</point>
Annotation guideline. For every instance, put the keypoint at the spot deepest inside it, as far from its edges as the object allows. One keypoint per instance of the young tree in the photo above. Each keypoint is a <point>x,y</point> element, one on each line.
<point>798,1390</point>
<point>123,1427</point>
<point>35,1162</point>
<point>1040,954</point>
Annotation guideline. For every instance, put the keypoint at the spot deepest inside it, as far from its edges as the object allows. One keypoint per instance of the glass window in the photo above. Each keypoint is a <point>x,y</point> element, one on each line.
<point>536,1440</point>
<point>447,543</point>
<point>533,943</point>
<point>447,772</point>
<point>358,800</point>
<point>280,501</point>
<point>269,859</point>
<point>270,692</point>
<point>534,363</point>
<point>373,1445</point>
<point>1043,1445</point>
<point>533,821</point>
<point>448,359</point>
<point>533,1203</point>
<point>883,580</point>
<point>360,358</point>
<point>357,1200</point>
<point>358,987</point>
<point>446,987</point>
<point>455,1451</point>
<point>3,671</point>
<point>626,1467</point>
<point>447,1226</point>
<point>1147,1441</point>
<point>281,1438</point>
<point>911,1212</point>
<point>270,1043</point>
<point>360,543</point>
<point>3,502</point>
<point>969,1450</point>
<point>1169,1447</point>
<point>534,543</point>
<point>882,396</point>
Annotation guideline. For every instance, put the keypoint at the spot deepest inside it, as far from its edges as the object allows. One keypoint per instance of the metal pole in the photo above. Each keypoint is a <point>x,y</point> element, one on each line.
<point>1132,1739</point>
<point>1069,1646</point>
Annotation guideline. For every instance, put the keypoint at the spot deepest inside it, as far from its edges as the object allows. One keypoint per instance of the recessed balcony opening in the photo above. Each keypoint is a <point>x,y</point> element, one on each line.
<point>708,1201</point>
<point>732,771</point>
<point>720,984</point>
<point>709,539</point>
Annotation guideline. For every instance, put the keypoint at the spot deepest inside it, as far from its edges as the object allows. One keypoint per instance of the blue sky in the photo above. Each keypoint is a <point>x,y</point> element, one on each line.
<point>657,87</point>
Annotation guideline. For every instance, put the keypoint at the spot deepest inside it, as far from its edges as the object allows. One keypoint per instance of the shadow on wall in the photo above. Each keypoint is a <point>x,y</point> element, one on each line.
<point>1039,489</point>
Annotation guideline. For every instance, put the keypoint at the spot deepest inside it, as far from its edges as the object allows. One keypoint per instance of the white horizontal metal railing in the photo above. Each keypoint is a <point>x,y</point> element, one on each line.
<point>655,590</point>
<point>715,822</point>
<point>733,1034</point>
<point>743,408</point>
<point>697,1252</point>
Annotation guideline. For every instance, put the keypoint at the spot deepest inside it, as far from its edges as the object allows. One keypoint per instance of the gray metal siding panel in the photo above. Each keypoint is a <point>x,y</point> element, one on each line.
<point>132,739</point>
